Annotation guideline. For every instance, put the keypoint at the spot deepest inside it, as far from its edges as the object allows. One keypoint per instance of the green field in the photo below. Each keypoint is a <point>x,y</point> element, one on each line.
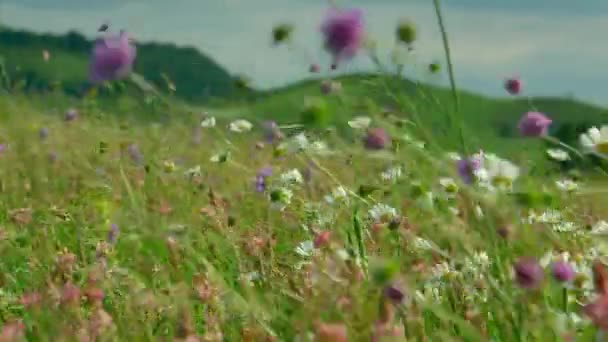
<point>132,222</point>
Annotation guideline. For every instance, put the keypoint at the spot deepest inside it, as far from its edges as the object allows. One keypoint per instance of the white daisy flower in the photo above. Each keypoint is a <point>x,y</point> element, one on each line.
<point>291,177</point>
<point>595,140</point>
<point>501,173</point>
<point>360,122</point>
<point>391,174</point>
<point>193,172</point>
<point>566,185</point>
<point>453,156</point>
<point>208,122</point>
<point>382,213</point>
<point>240,126</point>
<point>558,154</point>
<point>449,185</point>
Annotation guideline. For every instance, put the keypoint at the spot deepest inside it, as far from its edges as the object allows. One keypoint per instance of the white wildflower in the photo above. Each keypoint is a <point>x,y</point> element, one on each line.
<point>566,185</point>
<point>220,157</point>
<point>240,126</point>
<point>558,154</point>
<point>382,213</point>
<point>392,174</point>
<point>338,195</point>
<point>291,177</point>
<point>501,173</point>
<point>305,248</point>
<point>449,185</point>
<point>421,244</point>
<point>360,122</point>
<point>208,122</point>
<point>193,172</point>
<point>595,140</point>
<point>280,198</point>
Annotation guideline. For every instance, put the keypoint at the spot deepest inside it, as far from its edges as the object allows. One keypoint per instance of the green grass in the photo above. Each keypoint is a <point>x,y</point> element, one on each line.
<point>183,261</point>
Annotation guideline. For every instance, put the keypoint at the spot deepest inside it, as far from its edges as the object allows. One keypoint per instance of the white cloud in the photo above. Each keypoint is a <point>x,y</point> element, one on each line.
<point>487,45</point>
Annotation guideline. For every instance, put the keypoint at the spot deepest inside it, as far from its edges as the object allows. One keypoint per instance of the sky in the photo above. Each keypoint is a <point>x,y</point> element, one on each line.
<point>557,47</point>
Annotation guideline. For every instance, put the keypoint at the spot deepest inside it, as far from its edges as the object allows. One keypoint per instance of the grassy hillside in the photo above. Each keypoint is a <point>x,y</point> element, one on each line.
<point>196,77</point>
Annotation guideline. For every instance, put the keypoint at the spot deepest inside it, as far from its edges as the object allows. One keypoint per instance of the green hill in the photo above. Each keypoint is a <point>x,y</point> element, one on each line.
<point>196,77</point>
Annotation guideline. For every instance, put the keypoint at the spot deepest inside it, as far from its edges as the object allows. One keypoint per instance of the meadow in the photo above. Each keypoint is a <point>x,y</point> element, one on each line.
<point>358,208</point>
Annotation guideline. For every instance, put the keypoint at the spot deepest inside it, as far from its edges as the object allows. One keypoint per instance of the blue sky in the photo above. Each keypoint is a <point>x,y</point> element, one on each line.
<point>558,47</point>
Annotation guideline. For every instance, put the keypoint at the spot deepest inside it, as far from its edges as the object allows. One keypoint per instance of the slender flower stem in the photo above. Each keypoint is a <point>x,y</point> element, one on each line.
<point>446,48</point>
<point>564,145</point>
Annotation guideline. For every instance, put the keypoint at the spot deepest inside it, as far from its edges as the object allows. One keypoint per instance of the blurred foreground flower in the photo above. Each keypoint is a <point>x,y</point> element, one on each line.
<point>558,154</point>
<point>360,122</point>
<point>240,126</point>
<point>208,122</point>
<point>595,141</point>
<point>597,310</point>
<point>406,32</point>
<point>112,58</point>
<point>377,139</point>
<point>534,124</point>
<point>343,32</point>
<point>528,273</point>
<point>70,114</point>
<point>513,85</point>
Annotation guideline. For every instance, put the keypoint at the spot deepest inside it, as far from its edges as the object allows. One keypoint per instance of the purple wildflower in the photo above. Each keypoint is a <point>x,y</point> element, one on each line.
<point>343,32</point>
<point>376,139</point>
<point>562,271</point>
<point>528,273</point>
<point>112,58</point>
<point>534,124</point>
<point>260,178</point>
<point>513,85</point>
<point>112,234</point>
<point>2,147</point>
<point>134,153</point>
<point>70,114</point>
<point>466,168</point>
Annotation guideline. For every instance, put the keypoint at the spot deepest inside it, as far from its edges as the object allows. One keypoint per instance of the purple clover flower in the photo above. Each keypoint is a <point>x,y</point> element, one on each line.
<point>343,32</point>
<point>534,124</point>
<point>112,58</point>
<point>528,273</point>
<point>466,168</point>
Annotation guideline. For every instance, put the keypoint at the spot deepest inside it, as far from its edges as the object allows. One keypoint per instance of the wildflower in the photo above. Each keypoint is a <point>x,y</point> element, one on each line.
<point>240,126</point>
<point>501,173</point>
<point>281,33</point>
<point>321,239</point>
<point>562,271</point>
<point>71,114</point>
<point>391,174</point>
<point>271,131</point>
<point>314,68</point>
<point>112,234</point>
<point>381,213</point>
<point>260,178</point>
<point>319,148</point>
<point>558,154</point>
<point>291,177</point>
<point>513,85</point>
<point>597,310</point>
<point>280,198</point>
<point>169,166</point>
<point>46,55</point>
<point>343,32</point>
<point>534,124</point>
<point>360,122</point>
<point>406,32</point>
<point>193,172</point>
<point>339,194</point>
<point>112,58</point>
<point>467,168</point>
<point>566,185</point>
<point>528,273</point>
<point>208,122</point>
<point>449,185</point>
<point>305,248</point>
<point>595,140</point>
<point>376,139</point>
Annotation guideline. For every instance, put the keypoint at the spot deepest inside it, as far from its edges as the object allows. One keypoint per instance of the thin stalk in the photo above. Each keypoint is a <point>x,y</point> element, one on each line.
<point>446,48</point>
